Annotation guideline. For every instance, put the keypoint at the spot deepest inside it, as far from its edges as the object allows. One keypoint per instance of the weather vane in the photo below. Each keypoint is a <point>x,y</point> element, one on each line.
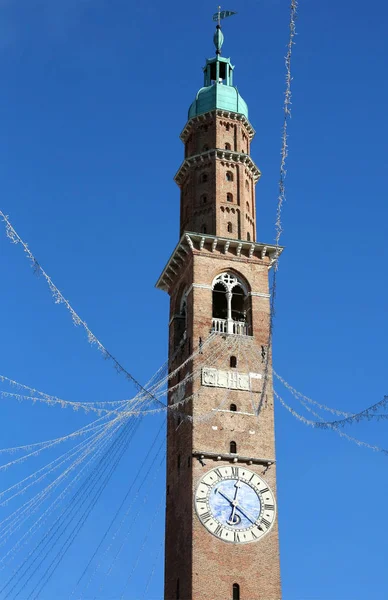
<point>218,38</point>
<point>222,14</point>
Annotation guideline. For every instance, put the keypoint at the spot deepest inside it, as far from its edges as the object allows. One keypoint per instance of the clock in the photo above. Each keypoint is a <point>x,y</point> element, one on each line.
<point>235,504</point>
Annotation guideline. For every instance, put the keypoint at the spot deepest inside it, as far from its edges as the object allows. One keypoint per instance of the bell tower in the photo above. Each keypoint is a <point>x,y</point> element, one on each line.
<point>221,514</point>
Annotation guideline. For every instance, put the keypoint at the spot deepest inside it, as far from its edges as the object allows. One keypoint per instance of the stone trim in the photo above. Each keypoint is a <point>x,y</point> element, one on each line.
<point>220,154</point>
<point>231,248</point>
<point>219,113</point>
<point>201,454</point>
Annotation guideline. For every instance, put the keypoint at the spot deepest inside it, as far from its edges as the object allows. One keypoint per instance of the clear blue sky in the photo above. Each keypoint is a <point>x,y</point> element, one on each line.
<point>94,96</point>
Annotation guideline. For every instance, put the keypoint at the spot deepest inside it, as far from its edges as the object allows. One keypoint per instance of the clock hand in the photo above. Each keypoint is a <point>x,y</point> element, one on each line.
<point>246,514</point>
<point>239,507</point>
<point>232,520</point>
<point>225,496</point>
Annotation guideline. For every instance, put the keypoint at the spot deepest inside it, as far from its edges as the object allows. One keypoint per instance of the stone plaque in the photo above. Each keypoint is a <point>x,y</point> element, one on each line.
<point>225,379</point>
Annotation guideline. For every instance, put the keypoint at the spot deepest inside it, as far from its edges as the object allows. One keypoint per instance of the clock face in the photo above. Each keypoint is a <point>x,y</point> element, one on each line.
<point>235,504</point>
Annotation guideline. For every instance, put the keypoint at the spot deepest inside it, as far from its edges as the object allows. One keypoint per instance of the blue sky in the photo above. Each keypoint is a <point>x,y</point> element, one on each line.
<point>94,97</point>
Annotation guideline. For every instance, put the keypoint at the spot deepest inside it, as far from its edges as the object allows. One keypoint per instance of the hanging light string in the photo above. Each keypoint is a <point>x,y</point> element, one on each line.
<point>54,399</point>
<point>141,549</point>
<point>86,496</point>
<point>143,473</point>
<point>96,445</point>
<point>153,569</point>
<point>350,418</point>
<point>91,452</point>
<point>281,194</point>
<point>310,423</point>
<point>299,396</point>
<point>132,522</point>
<point>60,299</point>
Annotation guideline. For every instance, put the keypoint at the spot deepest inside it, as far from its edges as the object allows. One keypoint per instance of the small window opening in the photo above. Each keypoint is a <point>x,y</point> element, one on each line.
<point>248,207</point>
<point>230,227</point>
<point>247,184</point>
<point>204,178</point>
<point>229,176</point>
<point>227,126</point>
<point>203,229</point>
<point>203,198</point>
<point>179,461</point>
<point>168,490</point>
<point>238,308</point>
<point>178,595</point>
<point>188,461</point>
<point>233,448</point>
<point>233,408</point>
<point>248,236</point>
<point>236,591</point>
<point>228,146</point>
<point>233,362</point>
<point>205,148</point>
<point>229,197</point>
<point>220,305</point>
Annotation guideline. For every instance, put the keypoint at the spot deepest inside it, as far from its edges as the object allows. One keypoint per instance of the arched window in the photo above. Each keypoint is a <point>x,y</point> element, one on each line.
<point>227,126</point>
<point>230,305</point>
<point>203,178</point>
<point>248,236</point>
<point>229,197</point>
<point>230,228</point>
<point>203,229</point>
<point>233,408</point>
<point>203,199</point>
<point>180,317</point>
<point>229,176</point>
<point>228,146</point>
<point>248,207</point>
<point>233,448</point>
<point>233,362</point>
<point>205,148</point>
<point>247,184</point>
<point>236,591</point>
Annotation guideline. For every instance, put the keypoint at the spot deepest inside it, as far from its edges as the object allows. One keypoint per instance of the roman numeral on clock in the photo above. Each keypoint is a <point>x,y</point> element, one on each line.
<point>218,530</point>
<point>265,522</point>
<point>269,507</point>
<point>218,473</point>
<point>264,490</point>
<point>235,471</point>
<point>206,516</point>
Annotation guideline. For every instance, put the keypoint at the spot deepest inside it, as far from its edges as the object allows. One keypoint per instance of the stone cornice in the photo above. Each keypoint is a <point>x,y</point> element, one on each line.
<point>219,113</point>
<point>195,243</point>
<point>220,154</point>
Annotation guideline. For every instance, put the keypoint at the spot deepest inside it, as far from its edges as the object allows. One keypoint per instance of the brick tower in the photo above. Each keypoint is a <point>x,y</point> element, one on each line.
<point>221,524</point>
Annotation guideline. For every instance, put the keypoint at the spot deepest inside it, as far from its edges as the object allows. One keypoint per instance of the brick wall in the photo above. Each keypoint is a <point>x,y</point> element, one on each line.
<point>206,566</point>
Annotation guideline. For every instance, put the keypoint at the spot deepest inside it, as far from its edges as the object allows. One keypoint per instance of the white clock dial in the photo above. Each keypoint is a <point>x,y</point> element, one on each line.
<point>235,504</point>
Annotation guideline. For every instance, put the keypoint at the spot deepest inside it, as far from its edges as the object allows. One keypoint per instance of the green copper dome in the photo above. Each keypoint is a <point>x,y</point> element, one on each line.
<point>215,96</point>
<point>218,90</point>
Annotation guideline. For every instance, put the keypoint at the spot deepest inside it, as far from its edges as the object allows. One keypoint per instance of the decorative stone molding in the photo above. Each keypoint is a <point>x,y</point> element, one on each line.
<point>250,460</point>
<point>217,153</point>
<point>233,249</point>
<point>209,116</point>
